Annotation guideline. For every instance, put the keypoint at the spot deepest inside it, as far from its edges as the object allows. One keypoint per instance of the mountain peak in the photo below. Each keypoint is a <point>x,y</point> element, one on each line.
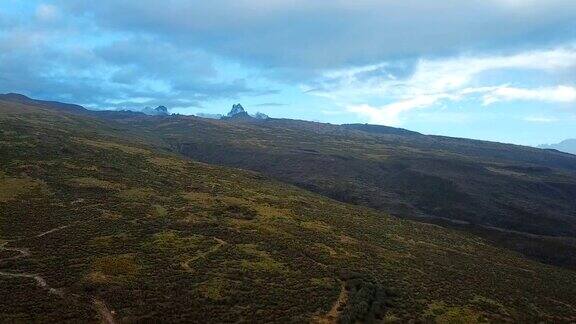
<point>567,146</point>
<point>260,115</point>
<point>237,111</point>
<point>161,110</point>
<point>158,111</point>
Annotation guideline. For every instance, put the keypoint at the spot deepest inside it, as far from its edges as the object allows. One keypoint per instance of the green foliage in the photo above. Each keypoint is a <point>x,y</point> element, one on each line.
<point>117,265</point>
<point>94,183</point>
<point>442,314</point>
<point>11,188</point>
<point>366,302</point>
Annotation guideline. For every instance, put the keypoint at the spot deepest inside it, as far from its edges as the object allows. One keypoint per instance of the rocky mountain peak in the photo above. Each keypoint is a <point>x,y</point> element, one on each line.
<point>158,111</point>
<point>260,115</point>
<point>236,110</point>
<point>161,110</point>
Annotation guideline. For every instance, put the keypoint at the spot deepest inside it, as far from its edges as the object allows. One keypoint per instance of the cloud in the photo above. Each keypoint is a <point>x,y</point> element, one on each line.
<point>392,56</point>
<point>298,34</point>
<point>540,119</point>
<point>44,56</point>
<point>47,12</point>
<point>424,83</point>
<point>390,114</point>
<point>551,94</point>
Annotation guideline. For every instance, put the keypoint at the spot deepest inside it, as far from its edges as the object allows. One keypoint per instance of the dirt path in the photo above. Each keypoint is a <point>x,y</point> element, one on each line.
<point>104,313</point>
<point>106,316</point>
<point>334,314</point>
<point>23,253</point>
<point>41,282</point>
<point>219,244</point>
<point>53,230</point>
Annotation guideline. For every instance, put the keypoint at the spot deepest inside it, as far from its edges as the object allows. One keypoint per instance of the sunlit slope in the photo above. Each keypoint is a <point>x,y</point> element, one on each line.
<point>106,219</point>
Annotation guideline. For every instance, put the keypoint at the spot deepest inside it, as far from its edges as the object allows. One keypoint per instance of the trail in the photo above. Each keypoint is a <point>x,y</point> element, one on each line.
<point>53,230</point>
<point>105,314</point>
<point>24,253</point>
<point>41,282</point>
<point>186,264</point>
<point>101,308</point>
<point>333,315</point>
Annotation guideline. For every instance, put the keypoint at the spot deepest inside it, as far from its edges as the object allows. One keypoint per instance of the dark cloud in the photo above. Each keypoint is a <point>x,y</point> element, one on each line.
<point>109,53</point>
<point>333,33</point>
<point>54,62</point>
<point>156,59</point>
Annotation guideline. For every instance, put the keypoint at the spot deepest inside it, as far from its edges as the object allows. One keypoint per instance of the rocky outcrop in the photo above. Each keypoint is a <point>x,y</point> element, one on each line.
<point>237,111</point>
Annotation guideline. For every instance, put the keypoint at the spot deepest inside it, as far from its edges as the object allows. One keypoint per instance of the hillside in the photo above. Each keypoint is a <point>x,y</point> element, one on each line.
<point>518,197</point>
<point>100,221</point>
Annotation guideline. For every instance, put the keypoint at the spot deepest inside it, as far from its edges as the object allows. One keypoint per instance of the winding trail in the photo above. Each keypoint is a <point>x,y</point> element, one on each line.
<point>100,306</point>
<point>24,253</point>
<point>39,280</point>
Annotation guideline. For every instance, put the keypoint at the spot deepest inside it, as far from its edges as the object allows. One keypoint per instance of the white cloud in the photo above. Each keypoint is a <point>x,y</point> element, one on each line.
<point>549,94</point>
<point>390,114</point>
<point>540,119</point>
<point>47,12</point>
<point>433,82</point>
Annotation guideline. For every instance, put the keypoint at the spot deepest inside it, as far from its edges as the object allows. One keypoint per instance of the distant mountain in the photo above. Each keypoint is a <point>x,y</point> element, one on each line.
<point>22,99</point>
<point>237,111</point>
<point>209,116</point>
<point>158,111</point>
<point>114,114</point>
<point>234,113</point>
<point>260,115</point>
<point>568,146</point>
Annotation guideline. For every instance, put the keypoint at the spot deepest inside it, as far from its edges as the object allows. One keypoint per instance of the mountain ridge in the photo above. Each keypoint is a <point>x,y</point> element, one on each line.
<point>567,146</point>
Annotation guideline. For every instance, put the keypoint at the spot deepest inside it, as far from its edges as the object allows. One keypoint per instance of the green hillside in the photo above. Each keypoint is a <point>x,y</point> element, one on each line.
<point>101,223</point>
<point>518,197</point>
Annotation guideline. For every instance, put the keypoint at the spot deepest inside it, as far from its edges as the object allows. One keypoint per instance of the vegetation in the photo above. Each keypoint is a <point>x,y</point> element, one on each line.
<point>160,238</point>
<point>517,197</point>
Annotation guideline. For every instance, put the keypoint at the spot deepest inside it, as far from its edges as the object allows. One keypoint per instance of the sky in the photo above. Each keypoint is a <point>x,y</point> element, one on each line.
<point>500,70</point>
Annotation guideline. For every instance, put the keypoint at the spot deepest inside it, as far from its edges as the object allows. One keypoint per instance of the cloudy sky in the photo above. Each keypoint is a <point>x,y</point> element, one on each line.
<point>501,70</point>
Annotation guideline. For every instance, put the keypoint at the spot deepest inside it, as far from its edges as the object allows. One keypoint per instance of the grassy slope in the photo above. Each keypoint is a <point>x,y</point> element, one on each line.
<point>157,237</point>
<point>522,198</point>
